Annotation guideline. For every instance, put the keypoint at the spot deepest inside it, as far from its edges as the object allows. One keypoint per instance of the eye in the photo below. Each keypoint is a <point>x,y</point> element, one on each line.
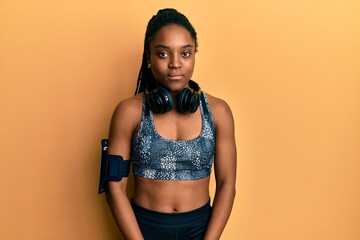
<point>163,54</point>
<point>186,54</point>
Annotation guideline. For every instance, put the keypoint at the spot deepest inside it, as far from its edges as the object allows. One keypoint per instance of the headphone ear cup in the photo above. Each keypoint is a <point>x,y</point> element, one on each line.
<point>166,100</point>
<point>193,102</point>
<point>182,100</point>
<point>160,100</point>
<point>187,101</point>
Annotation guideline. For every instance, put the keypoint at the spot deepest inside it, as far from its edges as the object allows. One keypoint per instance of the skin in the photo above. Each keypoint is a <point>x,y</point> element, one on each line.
<point>172,59</point>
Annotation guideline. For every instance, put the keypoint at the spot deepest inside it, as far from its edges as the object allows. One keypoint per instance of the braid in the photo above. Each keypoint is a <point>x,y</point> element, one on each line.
<point>163,18</point>
<point>145,75</point>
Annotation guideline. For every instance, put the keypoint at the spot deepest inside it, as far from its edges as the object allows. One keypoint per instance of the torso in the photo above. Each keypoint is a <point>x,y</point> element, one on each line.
<point>179,195</point>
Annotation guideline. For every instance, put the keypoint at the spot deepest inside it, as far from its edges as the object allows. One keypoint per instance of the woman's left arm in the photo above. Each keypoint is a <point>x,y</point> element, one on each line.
<point>225,169</point>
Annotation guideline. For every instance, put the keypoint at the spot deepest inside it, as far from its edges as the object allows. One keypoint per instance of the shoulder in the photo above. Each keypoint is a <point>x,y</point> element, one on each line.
<point>220,109</point>
<point>128,112</point>
<point>125,119</point>
<point>130,106</point>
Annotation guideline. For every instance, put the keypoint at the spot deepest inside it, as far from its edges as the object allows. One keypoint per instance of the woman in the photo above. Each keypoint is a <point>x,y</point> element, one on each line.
<point>172,139</point>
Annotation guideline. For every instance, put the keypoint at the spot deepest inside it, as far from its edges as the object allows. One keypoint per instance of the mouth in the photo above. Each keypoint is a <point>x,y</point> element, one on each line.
<point>175,76</point>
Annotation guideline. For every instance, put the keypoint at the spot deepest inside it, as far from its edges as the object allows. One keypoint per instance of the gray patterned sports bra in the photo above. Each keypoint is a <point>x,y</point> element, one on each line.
<point>154,157</point>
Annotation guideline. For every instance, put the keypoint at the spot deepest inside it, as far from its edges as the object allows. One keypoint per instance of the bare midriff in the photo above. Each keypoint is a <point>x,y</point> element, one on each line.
<point>171,196</point>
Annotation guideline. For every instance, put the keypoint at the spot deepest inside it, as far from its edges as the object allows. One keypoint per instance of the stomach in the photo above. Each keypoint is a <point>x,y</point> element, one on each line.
<point>171,196</point>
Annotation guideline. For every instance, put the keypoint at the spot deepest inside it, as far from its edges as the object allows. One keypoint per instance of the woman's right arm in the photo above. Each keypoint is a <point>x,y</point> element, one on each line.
<point>123,124</point>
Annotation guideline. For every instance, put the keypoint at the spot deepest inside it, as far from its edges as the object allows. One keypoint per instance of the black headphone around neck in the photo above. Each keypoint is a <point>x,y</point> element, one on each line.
<point>160,99</point>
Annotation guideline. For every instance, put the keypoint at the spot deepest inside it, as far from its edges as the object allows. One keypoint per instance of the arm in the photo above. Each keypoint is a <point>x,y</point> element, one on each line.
<point>225,170</point>
<point>123,124</point>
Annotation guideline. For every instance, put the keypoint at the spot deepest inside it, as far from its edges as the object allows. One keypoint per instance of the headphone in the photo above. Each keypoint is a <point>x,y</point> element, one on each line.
<point>160,99</point>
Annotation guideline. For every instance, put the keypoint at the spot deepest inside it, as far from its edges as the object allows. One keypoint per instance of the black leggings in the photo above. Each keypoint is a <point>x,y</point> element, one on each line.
<point>172,226</point>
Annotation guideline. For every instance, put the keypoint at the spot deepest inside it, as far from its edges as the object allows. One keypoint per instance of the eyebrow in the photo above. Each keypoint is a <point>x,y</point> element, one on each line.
<point>167,47</point>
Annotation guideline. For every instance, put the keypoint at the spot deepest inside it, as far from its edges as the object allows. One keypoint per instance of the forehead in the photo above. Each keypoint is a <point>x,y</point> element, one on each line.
<point>173,35</point>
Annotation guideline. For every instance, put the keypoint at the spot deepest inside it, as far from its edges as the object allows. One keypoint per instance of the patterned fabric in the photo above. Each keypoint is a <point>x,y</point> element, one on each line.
<point>155,157</point>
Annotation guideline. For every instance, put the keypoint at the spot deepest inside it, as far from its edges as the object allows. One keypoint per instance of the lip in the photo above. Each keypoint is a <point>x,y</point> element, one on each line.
<point>175,76</point>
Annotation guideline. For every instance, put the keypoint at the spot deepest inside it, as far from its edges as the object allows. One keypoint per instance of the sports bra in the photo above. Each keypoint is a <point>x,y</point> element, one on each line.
<point>154,157</point>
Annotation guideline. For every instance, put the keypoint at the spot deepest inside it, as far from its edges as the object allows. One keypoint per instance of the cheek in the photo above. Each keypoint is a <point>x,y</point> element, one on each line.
<point>158,71</point>
<point>157,67</point>
<point>190,66</point>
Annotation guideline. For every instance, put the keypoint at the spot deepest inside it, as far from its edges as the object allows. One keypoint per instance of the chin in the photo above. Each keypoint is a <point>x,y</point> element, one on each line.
<point>177,86</point>
<point>174,85</point>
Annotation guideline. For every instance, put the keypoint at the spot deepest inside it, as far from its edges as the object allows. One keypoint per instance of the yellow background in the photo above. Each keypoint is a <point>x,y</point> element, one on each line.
<point>289,69</point>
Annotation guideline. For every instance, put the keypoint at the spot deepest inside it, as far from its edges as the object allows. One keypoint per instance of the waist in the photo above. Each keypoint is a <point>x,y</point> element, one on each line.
<point>170,196</point>
<point>196,215</point>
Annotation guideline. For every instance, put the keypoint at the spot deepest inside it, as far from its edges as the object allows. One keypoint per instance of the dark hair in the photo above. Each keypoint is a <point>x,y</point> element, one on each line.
<point>163,18</point>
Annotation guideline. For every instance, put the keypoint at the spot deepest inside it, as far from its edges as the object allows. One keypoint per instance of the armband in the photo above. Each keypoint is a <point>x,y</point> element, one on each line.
<point>112,167</point>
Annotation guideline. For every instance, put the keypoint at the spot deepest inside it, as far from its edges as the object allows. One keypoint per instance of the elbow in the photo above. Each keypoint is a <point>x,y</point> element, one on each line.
<point>227,187</point>
<point>108,198</point>
<point>113,191</point>
<point>232,191</point>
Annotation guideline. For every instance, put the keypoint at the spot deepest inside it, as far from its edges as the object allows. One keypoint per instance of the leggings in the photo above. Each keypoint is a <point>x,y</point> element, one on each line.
<point>172,226</point>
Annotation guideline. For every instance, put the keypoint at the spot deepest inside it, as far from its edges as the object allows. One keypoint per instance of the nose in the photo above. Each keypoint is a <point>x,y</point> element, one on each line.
<point>175,62</point>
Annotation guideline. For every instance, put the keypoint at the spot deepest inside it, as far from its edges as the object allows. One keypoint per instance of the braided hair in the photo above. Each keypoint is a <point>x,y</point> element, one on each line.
<point>163,18</point>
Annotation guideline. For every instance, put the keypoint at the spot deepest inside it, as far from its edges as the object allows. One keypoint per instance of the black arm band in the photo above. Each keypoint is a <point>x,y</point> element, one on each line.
<point>112,167</point>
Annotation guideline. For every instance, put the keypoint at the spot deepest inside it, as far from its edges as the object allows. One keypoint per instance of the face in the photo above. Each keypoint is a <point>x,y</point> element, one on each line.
<point>172,57</point>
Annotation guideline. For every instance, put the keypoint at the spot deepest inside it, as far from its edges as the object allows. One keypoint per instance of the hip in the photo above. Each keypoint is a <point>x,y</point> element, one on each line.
<point>161,225</point>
